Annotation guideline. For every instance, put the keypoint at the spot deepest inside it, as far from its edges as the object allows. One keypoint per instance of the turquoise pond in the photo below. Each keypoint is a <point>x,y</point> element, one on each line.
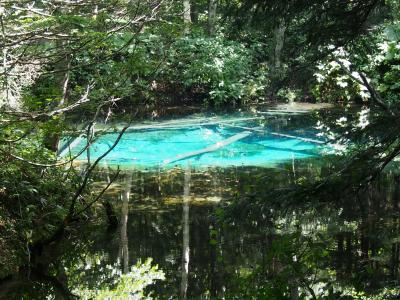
<point>146,147</point>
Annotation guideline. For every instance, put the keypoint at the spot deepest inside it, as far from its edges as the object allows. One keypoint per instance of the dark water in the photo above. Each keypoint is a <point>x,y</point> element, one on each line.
<point>220,233</point>
<point>238,246</point>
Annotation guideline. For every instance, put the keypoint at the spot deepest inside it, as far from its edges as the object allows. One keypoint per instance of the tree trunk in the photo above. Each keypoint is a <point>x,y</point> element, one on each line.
<point>194,12</point>
<point>279,42</point>
<point>294,289</point>
<point>65,63</point>
<point>5,92</point>
<point>212,14</point>
<point>187,20</point>
<point>62,77</point>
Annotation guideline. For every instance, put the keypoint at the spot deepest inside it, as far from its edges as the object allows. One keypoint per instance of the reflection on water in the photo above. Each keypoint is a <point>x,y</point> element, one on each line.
<point>214,239</point>
<point>124,244</point>
<point>185,234</point>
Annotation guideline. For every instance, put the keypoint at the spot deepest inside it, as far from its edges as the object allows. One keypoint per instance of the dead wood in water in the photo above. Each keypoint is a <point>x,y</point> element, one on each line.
<point>264,131</point>
<point>189,123</point>
<point>212,148</point>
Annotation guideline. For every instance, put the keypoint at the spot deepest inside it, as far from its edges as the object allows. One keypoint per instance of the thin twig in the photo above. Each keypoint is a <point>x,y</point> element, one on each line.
<point>100,194</point>
<point>90,170</point>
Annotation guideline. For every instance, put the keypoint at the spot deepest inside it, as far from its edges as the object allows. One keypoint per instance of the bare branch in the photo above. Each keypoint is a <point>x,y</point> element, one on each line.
<point>90,170</point>
<point>31,10</point>
<point>375,96</point>
<point>62,163</point>
<point>24,116</point>
<point>100,194</point>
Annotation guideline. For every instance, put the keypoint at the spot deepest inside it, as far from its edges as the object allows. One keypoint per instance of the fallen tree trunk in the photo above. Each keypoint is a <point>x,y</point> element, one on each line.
<point>212,148</point>
<point>262,130</point>
<point>297,138</point>
<point>281,112</point>
<point>179,125</point>
<point>286,110</point>
<point>170,125</point>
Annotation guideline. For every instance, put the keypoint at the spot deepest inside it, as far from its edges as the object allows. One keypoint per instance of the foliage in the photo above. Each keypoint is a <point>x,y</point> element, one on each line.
<point>32,206</point>
<point>69,64</point>
<point>128,286</point>
<point>309,29</point>
<point>221,70</point>
<point>338,76</point>
<point>289,95</point>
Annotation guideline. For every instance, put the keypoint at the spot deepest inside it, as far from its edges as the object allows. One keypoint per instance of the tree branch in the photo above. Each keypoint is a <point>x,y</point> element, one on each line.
<point>375,96</point>
<point>100,194</point>
<point>90,170</point>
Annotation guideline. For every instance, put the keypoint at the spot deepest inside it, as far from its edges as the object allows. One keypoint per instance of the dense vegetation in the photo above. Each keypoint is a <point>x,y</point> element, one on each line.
<point>69,64</point>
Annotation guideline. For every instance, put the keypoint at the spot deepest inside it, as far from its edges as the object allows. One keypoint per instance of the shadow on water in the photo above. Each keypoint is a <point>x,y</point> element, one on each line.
<point>207,231</point>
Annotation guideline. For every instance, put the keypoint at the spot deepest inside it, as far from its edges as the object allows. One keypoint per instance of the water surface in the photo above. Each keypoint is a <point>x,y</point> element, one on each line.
<point>237,242</point>
<point>144,146</point>
<point>218,232</point>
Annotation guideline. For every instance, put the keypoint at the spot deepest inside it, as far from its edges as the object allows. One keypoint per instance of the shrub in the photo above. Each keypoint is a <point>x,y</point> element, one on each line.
<point>220,69</point>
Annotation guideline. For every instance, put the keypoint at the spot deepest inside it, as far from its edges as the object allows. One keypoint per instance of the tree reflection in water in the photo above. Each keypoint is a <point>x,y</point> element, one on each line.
<point>124,247</point>
<point>244,244</point>
<point>185,233</point>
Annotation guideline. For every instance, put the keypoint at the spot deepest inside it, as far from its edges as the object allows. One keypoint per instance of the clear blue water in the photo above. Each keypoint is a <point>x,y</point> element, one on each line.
<point>151,148</point>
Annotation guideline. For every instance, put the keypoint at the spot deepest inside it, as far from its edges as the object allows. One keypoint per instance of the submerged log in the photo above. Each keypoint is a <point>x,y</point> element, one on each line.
<point>285,111</point>
<point>297,138</point>
<point>280,113</point>
<point>212,148</point>
<point>262,130</point>
<point>189,123</point>
<point>258,129</point>
<point>169,125</point>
